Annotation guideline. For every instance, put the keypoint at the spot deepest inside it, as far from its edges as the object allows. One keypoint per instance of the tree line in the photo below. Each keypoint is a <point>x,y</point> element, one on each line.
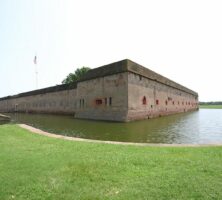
<point>211,103</point>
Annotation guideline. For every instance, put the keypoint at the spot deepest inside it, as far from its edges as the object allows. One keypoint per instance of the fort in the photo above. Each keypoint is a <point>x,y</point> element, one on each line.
<point>122,91</point>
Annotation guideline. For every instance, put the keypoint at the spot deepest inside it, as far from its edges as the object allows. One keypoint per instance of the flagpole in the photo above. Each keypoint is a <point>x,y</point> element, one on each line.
<point>36,71</point>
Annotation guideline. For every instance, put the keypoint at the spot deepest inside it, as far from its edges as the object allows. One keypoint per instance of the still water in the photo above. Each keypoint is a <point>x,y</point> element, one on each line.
<point>201,127</point>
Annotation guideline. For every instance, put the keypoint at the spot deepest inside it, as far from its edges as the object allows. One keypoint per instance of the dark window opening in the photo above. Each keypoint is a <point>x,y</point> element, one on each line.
<point>173,102</point>
<point>157,102</point>
<point>178,103</point>
<point>105,101</point>
<point>144,100</point>
<point>110,101</point>
<point>140,77</point>
<point>99,101</point>
<point>166,102</point>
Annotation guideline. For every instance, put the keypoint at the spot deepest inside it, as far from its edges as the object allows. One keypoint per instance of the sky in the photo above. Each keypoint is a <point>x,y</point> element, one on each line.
<point>180,39</point>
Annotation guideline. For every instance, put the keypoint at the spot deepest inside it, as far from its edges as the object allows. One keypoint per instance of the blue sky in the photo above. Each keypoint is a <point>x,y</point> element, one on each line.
<point>178,39</point>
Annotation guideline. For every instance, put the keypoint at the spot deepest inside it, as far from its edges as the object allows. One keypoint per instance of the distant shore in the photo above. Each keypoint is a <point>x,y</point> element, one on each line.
<point>210,106</point>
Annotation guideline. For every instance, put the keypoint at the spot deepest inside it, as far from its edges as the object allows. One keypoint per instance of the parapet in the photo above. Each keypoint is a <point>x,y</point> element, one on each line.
<point>106,70</point>
<point>130,66</point>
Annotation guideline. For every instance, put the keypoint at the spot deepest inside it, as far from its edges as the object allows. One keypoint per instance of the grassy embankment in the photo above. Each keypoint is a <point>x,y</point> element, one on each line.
<point>38,167</point>
<point>210,106</point>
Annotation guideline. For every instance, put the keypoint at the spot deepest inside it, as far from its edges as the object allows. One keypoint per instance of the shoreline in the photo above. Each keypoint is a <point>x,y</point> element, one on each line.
<point>4,118</point>
<point>52,135</point>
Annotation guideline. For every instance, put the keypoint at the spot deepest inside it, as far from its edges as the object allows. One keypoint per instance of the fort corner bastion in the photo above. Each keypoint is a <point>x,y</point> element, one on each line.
<point>122,91</point>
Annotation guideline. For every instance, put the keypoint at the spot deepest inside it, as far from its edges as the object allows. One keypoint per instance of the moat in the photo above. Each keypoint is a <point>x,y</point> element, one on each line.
<point>200,127</point>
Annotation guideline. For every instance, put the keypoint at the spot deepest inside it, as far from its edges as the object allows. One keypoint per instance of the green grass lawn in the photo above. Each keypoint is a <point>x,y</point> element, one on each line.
<point>211,106</point>
<point>38,167</point>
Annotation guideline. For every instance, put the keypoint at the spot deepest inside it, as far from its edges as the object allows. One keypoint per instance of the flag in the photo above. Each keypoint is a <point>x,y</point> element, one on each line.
<point>35,60</point>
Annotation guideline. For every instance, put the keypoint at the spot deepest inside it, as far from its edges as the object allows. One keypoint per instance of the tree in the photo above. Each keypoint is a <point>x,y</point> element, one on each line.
<point>78,74</point>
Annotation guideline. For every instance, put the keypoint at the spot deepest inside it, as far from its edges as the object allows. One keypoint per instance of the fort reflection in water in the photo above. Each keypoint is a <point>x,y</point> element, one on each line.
<point>201,127</point>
